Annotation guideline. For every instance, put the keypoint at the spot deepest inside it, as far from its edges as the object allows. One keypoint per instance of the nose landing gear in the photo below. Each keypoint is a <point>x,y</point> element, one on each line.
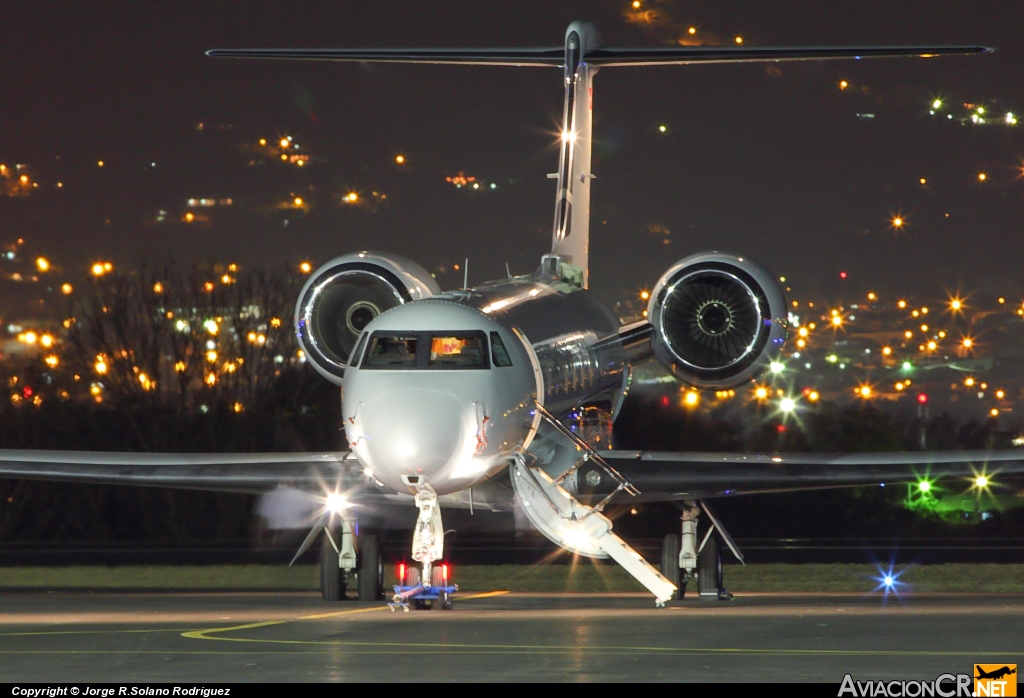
<point>434,586</point>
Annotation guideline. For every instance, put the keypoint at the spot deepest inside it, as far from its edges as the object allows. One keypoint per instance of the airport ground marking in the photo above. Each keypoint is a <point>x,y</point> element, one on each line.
<point>207,634</point>
<point>526,650</point>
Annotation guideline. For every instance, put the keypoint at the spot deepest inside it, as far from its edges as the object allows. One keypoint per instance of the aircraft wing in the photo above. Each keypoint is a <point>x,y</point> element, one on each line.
<point>666,476</point>
<point>253,473</point>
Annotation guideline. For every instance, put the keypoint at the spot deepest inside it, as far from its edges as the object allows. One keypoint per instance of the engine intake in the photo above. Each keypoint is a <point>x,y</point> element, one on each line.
<point>718,319</point>
<point>344,295</point>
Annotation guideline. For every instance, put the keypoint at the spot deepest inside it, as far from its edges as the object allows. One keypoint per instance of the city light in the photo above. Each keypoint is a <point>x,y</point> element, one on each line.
<point>843,84</point>
<point>42,264</point>
<point>956,304</point>
<point>776,367</point>
<point>837,321</point>
<point>937,104</point>
<point>297,201</point>
<point>100,366</point>
<point>692,30</point>
<point>982,176</point>
<point>787,404</point>
<point>283,143</point>
<point>46,340</point>
<point>864,391</point>
<point>886,351</point>
<point>306,267</point>
<point>52,361</point>
<point>739,40</point>
<point>897,222</point>
<point>761,392</point>
<point>994,412</point>
<point>66,289</point>
<point>981,482</point>
<point>968,343</point>
<point>813,396</point>
<point>158,288</point>
<point>400,159</point>
<point>644,295</point>
<point>969,381</point>
<point>924,486</point>
<point>663,128</point>
<point>691,399</point>
<point>901,304</point>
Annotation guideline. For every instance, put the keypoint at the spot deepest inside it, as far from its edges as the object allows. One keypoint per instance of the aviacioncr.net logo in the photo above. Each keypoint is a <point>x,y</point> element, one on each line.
<point>943,686</point>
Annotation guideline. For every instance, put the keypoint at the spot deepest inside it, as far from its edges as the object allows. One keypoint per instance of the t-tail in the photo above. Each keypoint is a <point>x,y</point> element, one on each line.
<point>580,58</point>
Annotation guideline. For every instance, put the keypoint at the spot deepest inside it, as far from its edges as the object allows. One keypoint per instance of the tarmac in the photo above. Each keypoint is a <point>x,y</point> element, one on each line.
<point>496,636</point>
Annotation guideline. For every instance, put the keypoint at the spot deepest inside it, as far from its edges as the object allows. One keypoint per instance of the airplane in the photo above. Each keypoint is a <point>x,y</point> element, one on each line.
<point>503,396</point>
<point>995,673</point>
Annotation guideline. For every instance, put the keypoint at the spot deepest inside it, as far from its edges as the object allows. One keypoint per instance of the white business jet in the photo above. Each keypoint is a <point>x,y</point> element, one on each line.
<point>504,395</point>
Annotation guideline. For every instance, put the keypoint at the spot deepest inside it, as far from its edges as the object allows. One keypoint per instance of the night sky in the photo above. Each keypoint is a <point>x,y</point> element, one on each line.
<point>766,160</point>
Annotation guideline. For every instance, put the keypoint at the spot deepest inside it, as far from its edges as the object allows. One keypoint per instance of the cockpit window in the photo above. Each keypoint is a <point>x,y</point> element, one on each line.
<point>458,350</point>
<point>428,350</point>
<point>499,355</point>
<point>392,351</point>
<point>353,359</point>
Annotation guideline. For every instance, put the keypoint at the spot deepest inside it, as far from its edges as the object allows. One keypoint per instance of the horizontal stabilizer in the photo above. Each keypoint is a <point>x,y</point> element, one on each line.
<point>682,55</point>
<point>603,57</point>
<point>552,56</point>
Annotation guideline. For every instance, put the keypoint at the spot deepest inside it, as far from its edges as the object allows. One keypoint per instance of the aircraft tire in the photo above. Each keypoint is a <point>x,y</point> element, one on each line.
<point>332,578</point>
<point>670,563</point>
<point>709,568</point>
<point>371,571</point>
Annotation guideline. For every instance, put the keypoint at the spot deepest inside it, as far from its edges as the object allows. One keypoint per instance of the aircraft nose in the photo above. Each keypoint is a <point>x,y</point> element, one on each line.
<point>415,433</point>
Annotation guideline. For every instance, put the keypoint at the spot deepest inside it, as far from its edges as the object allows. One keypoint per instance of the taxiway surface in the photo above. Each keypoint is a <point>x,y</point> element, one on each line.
<point>211,637</point>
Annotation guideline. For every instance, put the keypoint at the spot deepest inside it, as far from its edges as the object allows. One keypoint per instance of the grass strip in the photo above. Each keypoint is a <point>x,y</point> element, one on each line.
<point>585,576</point>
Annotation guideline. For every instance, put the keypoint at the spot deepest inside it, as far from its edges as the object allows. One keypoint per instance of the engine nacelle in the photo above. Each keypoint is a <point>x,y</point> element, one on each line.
<point>344,295</point>
<point>718,319</point>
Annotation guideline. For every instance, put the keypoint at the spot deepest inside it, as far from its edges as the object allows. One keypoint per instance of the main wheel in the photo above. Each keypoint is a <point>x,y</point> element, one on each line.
<point>709,568</point>
<point>332,578</point>
<point>670,563</point>
<point>371,570</point>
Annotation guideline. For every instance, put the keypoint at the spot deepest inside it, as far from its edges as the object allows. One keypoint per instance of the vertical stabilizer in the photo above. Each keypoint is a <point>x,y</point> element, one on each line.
<point>571,236</point>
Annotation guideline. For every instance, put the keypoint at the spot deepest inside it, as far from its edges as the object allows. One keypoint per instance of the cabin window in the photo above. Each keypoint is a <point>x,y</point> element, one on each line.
<point>499,355</point>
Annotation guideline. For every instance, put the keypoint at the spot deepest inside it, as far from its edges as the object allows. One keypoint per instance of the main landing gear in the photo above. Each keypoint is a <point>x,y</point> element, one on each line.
<point>343,559</point>
<point>682,558</point>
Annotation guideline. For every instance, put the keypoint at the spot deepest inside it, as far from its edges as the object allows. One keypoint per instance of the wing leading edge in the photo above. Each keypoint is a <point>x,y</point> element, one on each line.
<point>665,476</point>
<point>253,473</point>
